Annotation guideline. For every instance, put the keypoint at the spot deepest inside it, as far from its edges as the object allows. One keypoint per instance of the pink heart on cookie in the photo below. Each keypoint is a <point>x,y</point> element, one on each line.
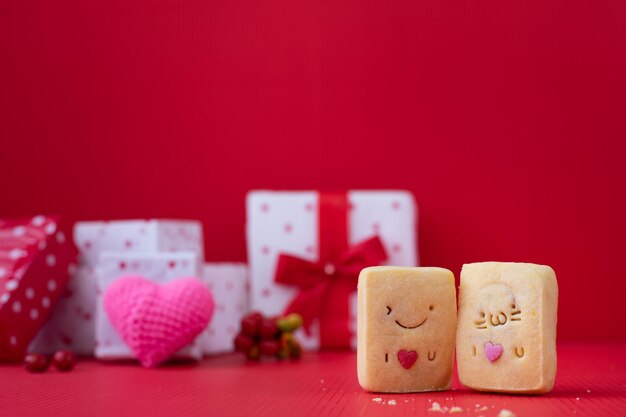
<point>156,320</point>
<point>493,352</point>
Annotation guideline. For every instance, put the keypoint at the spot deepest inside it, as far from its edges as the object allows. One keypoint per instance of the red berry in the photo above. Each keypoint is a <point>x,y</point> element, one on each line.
<point>251,323</point>
<point>269,347</point>
<point>268,329</point>
<point>35,362</point>
<point>243,343</point>
<point>64,360</point>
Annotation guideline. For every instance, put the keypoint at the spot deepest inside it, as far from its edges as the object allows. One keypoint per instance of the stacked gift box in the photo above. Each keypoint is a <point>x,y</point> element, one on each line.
<point>305,250</point>
<point>159,250</point>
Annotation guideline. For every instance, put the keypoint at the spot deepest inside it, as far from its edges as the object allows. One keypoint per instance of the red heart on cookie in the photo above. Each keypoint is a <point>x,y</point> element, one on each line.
<point>407,358</point>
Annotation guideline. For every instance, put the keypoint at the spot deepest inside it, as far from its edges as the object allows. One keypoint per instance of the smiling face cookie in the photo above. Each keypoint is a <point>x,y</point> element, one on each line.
<point>406,325</point>
<point>506,339</point>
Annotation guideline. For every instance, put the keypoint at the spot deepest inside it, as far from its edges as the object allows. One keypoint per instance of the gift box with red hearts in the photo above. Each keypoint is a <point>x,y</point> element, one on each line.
<point>71,325</point>
<point>36,258</point>
<point>229,284</point>
<point>157,267</point>
<point>306,248</point>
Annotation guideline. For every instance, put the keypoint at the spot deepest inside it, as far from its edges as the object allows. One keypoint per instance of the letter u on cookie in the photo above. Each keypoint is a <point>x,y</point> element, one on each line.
<point>406,326</point>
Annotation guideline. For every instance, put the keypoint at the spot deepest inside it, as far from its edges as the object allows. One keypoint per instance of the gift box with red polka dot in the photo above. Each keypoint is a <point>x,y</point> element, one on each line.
<point>229,284</point>
<point>71,324</point>
<point>288,223</point>
<point>36,259</point>
<point>155,235</point>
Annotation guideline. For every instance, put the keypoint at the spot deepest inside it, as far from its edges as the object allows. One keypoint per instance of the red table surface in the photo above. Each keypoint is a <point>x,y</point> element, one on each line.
<point>591,381</point>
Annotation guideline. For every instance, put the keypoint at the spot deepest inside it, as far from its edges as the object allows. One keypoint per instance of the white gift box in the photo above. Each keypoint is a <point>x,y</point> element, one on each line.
<point>287,222</point>
<point>71,325</point>
<point>154,235</point>
<point>228,283</point>
<point>159,267</point>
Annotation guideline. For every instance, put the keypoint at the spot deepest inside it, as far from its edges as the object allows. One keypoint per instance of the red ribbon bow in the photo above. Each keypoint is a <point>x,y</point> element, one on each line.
<point>325,286</point>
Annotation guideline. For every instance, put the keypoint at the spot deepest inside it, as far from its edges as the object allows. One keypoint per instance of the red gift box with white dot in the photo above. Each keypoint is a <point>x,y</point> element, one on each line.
<point>36,258</point>
<point>287,222</point>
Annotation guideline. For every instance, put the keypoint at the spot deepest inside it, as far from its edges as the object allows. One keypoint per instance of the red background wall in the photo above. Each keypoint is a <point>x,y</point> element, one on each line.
<point>506,119</point>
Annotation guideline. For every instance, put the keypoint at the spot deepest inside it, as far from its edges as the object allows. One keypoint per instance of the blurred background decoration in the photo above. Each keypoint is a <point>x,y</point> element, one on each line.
<point>506,120</point>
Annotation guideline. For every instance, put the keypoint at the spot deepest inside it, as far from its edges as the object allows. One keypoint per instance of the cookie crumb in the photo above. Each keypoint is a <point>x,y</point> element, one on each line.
<point>506,413</point>
<point>377,399</point>
<point>455,410</point>
<point>436,408</point>
<point>391,402</point>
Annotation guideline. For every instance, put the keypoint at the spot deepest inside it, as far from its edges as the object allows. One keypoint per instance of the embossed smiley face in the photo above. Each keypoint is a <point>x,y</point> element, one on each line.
<point>410,323</point>
<point>497,307</point>
<point>409,316</point>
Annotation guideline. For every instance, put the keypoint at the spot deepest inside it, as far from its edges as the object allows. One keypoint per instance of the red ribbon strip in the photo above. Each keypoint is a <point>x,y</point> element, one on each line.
<point>325,286</point>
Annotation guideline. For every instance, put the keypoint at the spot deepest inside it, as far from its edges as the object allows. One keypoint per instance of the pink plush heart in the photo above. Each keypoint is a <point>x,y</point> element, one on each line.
<point>156,320</point>
<point>493,352</point>
<point>407,358</point>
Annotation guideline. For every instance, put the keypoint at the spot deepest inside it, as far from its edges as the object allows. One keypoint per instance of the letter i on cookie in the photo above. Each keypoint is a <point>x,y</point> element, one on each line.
<point>406,326</point>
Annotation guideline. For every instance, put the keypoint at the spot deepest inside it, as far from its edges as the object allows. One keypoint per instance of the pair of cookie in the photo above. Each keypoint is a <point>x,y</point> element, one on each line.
<point>505,333</point>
